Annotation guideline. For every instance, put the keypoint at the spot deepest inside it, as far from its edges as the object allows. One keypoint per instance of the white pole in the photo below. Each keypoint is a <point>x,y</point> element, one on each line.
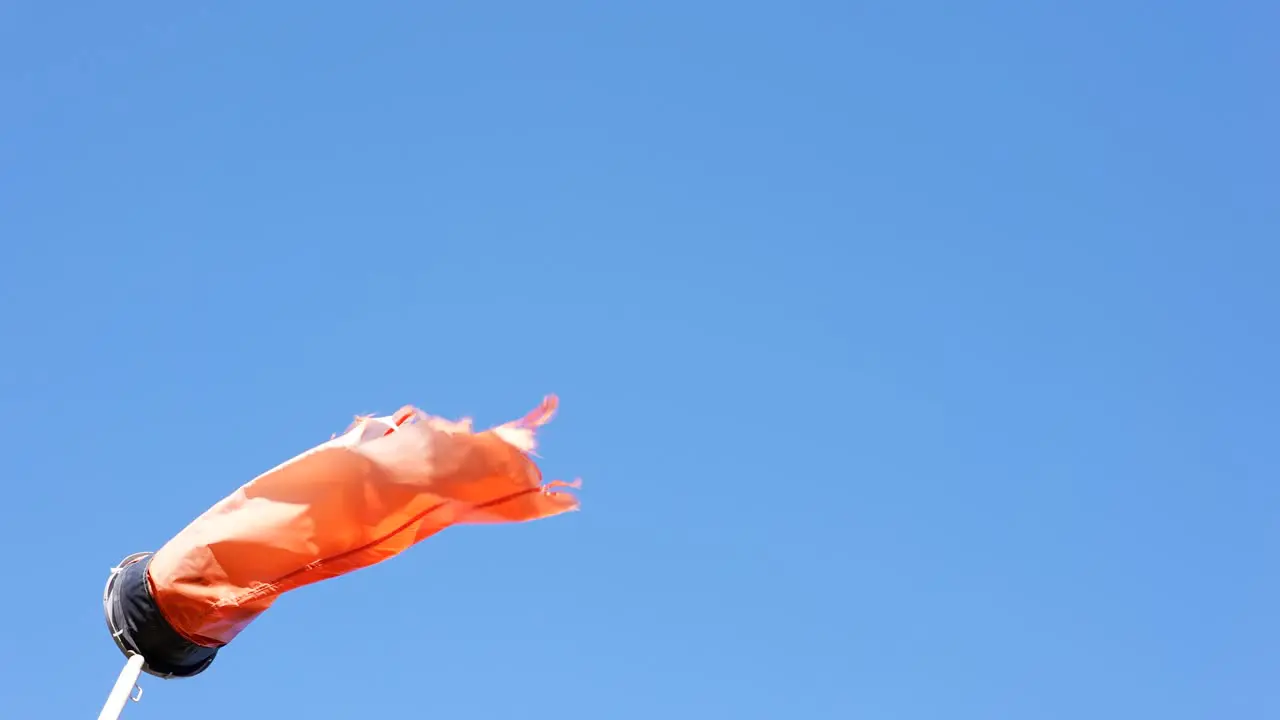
<point>123,689</point>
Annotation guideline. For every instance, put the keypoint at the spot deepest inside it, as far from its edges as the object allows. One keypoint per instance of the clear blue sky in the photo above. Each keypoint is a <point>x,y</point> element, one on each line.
<point>920,362</point>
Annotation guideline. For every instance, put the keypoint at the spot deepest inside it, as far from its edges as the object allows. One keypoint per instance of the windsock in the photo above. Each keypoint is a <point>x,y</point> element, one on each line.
<point>364,496</point>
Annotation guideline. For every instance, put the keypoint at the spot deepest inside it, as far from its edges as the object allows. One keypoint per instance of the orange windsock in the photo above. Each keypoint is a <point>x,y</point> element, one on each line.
<point>360,498</point>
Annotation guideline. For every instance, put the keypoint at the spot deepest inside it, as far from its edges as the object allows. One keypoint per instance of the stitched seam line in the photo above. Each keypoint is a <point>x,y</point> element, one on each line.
<point>275,585</point>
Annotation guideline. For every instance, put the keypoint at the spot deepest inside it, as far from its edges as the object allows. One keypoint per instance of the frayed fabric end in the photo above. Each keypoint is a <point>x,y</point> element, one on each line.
<point>569,499</point>
<point>522,433</point>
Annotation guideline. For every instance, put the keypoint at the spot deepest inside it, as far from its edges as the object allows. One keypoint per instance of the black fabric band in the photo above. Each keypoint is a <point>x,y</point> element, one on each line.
<point>143,630</point>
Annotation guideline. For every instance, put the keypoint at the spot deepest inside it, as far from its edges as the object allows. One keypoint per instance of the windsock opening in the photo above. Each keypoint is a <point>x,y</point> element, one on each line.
<point>139,628</point>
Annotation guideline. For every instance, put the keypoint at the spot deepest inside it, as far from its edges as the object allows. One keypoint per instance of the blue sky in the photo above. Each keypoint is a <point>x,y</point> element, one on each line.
<point>918,359</point>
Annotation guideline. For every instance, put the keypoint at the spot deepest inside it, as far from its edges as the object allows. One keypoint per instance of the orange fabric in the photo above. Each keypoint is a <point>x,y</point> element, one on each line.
<point>365,496</point>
